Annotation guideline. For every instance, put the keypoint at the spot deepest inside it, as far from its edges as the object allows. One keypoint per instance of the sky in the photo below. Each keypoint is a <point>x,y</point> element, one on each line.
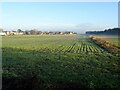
<point>59,16</point>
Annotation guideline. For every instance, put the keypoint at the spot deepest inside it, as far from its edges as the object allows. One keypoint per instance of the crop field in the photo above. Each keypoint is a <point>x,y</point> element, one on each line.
<point>46,62</point>
<point>75,44</point>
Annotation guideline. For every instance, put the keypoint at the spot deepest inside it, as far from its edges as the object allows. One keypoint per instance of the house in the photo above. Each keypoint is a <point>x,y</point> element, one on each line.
<point>7,32</point>
<point>27,32</point>
<point>19,33</point>
<point>57,32</point>
<point>2,33</point>
<point>71,32</point>
<point>44,33</point>
<point>61,32</point>
<point>51,33</point>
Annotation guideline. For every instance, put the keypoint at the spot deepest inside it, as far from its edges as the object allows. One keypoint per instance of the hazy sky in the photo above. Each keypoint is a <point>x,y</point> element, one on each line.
<point>59,16</point>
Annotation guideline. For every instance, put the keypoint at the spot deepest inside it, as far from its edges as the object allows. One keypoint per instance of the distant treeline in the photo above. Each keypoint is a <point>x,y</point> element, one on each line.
<point>114,31</point>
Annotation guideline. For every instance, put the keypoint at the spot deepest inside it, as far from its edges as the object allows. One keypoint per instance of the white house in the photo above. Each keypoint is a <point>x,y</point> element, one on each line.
<point>2,33</point>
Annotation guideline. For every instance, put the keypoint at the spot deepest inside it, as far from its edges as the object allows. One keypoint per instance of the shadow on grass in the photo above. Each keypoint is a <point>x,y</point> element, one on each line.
<point>44,70</point>
<point>33,70</point>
